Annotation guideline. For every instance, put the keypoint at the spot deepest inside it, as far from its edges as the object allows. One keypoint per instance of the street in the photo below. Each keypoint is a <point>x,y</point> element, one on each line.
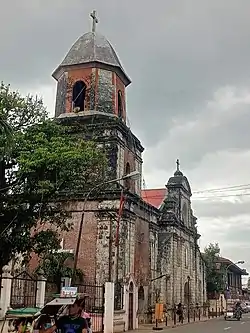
<point>216,326</point>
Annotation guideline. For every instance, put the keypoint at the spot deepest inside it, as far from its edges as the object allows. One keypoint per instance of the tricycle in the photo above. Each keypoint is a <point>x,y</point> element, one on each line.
<point>233,313</point>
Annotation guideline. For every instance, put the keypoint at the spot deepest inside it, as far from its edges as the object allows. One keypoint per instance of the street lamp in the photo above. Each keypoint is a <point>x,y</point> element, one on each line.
<point>132,175</point>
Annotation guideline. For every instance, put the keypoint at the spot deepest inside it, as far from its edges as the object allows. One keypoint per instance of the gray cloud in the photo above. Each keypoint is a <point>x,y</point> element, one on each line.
<point>232,234</point>
<point>177,54</point>
<point>221,209</point>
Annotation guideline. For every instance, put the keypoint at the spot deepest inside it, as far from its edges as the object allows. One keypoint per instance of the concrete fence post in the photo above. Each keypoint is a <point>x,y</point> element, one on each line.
<point>40,292</point>
<point>109,299</point>
<point>5,293</point>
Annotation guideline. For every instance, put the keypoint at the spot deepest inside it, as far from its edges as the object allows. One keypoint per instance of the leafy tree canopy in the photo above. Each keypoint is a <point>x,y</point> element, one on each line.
<point>58,265</point>
<point>215,276</point>
<point>45,160</point>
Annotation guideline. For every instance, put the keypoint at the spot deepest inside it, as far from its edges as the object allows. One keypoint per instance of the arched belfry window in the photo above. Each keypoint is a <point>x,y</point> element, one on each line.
<point>186,257</point>
<point>185,213</point>
<point>120,106</point>
<point>127,181</point>
<point>78,95</point>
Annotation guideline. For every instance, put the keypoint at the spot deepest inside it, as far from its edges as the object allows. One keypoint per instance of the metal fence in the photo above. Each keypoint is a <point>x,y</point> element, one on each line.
<point>23,291</point>
<point>51,290</point>
<point>94,304</point>
<point>190,314</point>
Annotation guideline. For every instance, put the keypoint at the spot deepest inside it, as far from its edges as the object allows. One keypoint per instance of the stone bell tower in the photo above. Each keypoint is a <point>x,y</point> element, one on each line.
<point>91,77</point>
<point>91,89</point>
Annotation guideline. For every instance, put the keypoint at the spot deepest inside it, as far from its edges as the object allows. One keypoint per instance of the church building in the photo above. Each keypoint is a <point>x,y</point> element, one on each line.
<point>147,247</point>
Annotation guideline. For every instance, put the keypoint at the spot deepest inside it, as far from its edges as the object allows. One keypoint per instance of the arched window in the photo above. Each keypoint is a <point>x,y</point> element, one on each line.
<point>78,95</point>
<point>185,214</point>
<point>118,303</point>
<point>187,292</point>
<point>186,257</point>
<point>120,107</point>
<point>141,299</point>
<point>127,181</point>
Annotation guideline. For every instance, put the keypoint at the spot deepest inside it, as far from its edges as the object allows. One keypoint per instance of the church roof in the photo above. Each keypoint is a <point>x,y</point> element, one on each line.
<point>154,197</point>
<point>92,48</point>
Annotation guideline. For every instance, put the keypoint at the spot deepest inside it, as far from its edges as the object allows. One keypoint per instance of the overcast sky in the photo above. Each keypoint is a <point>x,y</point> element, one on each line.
<point>189,62</point>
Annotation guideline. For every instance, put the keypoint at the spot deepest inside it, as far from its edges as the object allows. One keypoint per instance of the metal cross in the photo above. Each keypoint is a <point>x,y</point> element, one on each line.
<point>178,164</point>
<point>95,20</point>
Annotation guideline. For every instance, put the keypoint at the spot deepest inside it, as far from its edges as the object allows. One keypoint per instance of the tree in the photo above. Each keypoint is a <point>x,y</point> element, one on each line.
<point>5,129</point>
<point>215,276</point>
<point>57,265</point>
<point>6,134</point>
<point>46,165</point>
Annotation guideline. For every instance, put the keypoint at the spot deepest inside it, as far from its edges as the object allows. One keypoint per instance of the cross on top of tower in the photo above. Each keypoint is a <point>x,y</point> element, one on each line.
<point>177,165</point>
<point>178,172</point>
<point>95,20</point>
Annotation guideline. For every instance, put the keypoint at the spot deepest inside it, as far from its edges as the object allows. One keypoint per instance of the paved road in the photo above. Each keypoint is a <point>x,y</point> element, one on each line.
<point>216,326</point>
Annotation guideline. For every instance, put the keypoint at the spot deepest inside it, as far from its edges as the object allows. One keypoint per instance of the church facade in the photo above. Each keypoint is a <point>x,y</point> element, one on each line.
<point>149,251</point>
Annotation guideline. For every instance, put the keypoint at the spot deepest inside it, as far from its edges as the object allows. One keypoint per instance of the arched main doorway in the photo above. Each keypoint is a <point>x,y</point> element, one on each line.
<point>131,307</point>
<point>141,304</point>
<point>187,293</point>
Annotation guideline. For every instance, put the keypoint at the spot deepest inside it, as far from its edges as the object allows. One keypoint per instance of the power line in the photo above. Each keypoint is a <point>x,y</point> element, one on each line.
<point>214,190</point>
<point>228,188</point>
<point>203,197</point>
<point>223,196</point>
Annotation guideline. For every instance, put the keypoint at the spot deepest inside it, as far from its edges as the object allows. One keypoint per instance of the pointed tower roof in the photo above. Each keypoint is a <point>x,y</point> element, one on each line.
<point>179,180</point>
<point>93,48</point>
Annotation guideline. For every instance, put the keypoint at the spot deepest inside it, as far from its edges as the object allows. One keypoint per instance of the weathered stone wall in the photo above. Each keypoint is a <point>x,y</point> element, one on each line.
<point>154,269</point>
<point>179,257</point>
<point>87,259</point>
<point>104,92</point>
<point>105,245</point>
<point>61,95</point>
<point>142,252</point>
<point>132,156</point>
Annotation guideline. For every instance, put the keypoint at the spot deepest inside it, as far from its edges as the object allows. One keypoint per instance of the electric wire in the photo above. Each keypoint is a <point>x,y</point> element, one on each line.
<point>220,192</point>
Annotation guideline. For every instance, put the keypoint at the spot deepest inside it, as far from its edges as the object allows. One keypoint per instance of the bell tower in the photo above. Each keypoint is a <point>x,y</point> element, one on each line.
<point>91,89</point>
<point>91,77</point>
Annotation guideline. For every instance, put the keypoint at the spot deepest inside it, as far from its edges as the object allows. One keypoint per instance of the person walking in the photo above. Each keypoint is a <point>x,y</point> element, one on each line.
<point>180,312</point>
<point>87,316</point>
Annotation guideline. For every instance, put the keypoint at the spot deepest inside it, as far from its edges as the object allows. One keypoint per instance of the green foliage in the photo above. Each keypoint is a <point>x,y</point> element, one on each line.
<point>45,162</point>
<point>215,276</point>
<point>5,132</point>
<point>57,265</point>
